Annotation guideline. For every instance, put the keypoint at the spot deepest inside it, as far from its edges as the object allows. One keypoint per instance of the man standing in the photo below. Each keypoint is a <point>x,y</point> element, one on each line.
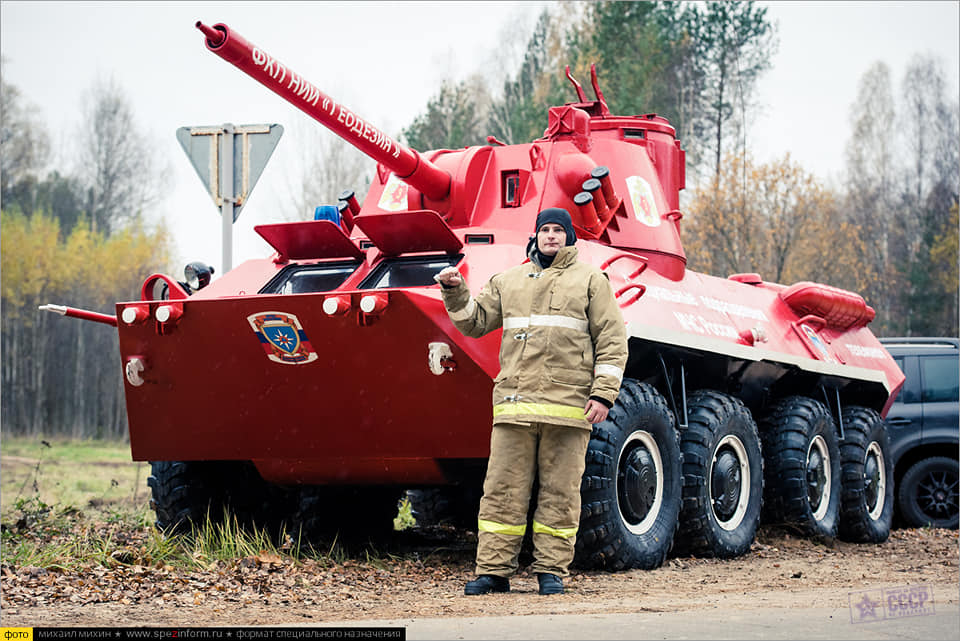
<point>562,356</point>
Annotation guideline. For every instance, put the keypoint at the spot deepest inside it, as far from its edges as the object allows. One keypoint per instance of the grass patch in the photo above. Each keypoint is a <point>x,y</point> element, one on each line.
<point>72,504</point>
<point>82,474</point>
<point>404,519</point>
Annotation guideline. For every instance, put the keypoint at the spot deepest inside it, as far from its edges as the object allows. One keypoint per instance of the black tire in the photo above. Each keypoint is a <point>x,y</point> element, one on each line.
<point>429,506</point>
<point>802,467</point>
<point>927,494</point>
<point>631,486</point>
<point>722,477</point>
<point>353,513</point>
<point>188,493</point>
<point>455,505</point>
<point>866,494</point>
<point>183,495</point>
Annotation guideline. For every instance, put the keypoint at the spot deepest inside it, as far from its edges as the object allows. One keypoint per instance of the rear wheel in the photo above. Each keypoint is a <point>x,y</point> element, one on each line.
<point>866,502</point>
<point>802,466</point>
<point>722,477</point>
<point>631,486</point>
<point>927,495</point>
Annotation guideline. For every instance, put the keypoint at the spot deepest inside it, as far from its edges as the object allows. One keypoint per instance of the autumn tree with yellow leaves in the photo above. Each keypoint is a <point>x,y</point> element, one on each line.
<point>774,219</point>
<point>76,240</point>
<point>63,375</point>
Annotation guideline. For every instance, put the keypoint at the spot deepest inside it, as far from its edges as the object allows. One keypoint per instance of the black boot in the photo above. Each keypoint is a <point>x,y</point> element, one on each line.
<point>487,583</point>
<point>550,583</point>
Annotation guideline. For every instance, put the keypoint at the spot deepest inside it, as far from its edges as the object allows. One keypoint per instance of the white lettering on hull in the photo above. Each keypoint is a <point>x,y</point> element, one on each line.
<point>310,94</point>
<point>867,352</point>
<point>733,309</point>
<point>700,325</point>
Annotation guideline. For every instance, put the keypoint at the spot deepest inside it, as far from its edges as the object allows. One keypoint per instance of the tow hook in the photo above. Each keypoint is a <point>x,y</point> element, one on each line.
<point>440,358</point>
<point>133,369</point>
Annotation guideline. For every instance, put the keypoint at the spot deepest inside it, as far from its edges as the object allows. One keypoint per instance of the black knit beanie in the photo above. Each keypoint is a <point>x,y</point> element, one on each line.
<point>560,217</point>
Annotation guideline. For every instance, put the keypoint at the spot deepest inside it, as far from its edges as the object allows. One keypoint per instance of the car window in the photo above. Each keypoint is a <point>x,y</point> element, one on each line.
<point>908,394</point>
<point>941,380</point>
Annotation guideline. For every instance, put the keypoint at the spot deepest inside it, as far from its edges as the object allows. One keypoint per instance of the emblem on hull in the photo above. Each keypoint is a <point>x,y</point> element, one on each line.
<point>282,337</point>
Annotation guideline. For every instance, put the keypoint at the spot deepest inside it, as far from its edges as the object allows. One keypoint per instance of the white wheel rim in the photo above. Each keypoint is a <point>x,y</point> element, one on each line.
<point>650,444</point>
<point>821,446</point>
<point>875,451</point>
<point>744,499</point>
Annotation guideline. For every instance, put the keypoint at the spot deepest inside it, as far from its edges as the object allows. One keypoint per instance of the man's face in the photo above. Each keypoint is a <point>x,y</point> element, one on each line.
<point>550,238</point>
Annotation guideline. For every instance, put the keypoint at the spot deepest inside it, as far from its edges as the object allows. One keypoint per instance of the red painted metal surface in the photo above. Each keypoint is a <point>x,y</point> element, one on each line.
<point>409,232</point>
<point>837,307</point>
<point>308,239</point>
<point>405,162</point>
<point>83,314</point>
<point>336,386</point>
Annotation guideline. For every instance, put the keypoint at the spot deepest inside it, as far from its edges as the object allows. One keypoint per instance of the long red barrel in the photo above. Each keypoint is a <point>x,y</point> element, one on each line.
<point>406,163</point>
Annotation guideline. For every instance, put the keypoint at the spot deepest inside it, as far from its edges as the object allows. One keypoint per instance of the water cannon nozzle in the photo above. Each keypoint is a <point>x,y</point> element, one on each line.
<point>215,37</point>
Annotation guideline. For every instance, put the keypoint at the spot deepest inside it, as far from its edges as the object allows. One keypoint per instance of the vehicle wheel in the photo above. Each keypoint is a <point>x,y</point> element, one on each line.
<point>927,495</point>
<point>429,506</point>
<point>350,512</point>
<point>183,495</point>
<point>802,466</point>
<point>187,493</point>
<point>454,505</point>
<point>722,477</point>
<point>866,495</point>
<point>631,486</point>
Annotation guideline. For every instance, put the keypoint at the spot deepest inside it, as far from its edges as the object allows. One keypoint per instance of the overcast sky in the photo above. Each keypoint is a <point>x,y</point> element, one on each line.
<point>385,60</point>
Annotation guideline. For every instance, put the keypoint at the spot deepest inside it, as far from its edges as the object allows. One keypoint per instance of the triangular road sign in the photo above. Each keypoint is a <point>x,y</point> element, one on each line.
<point>208,152</point>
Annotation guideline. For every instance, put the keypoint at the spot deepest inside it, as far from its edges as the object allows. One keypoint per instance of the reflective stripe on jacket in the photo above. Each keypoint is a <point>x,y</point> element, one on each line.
<point>563,339</point>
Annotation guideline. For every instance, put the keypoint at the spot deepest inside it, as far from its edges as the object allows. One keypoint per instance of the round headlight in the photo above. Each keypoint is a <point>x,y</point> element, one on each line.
<point>197,275</point>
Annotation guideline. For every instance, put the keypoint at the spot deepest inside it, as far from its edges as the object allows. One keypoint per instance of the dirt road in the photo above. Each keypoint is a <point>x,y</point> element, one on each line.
<point>781,573</point>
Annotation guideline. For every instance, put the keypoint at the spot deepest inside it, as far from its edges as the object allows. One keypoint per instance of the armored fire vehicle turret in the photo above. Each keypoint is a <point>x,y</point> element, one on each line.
<point>333,378</point>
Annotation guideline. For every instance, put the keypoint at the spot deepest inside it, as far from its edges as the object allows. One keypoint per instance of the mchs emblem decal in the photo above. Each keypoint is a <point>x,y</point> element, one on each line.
<point>282,337</point>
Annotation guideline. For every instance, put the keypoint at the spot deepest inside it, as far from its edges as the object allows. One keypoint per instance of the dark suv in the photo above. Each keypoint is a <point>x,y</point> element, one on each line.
<point>924,430</point>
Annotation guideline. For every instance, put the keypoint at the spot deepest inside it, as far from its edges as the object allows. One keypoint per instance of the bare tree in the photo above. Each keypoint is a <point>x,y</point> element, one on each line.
<point>118,168</point>
<point>929,132</point>
<point>871,183</point>
<point>922,97</point>
<point>24,145</point>
<point>325,166</point>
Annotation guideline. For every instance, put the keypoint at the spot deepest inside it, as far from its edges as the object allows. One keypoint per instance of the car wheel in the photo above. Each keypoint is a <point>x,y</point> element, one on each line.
<point>927,495</point>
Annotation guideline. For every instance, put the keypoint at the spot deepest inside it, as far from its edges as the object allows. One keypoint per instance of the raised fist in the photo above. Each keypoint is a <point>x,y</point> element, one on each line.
<point>449,276</point>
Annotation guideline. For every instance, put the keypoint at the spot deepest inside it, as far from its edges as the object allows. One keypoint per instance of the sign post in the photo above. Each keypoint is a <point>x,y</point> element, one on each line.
<point>229,160</point>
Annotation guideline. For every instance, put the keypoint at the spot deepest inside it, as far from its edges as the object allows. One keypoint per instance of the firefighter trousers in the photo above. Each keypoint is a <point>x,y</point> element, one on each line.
<point>518,454</point>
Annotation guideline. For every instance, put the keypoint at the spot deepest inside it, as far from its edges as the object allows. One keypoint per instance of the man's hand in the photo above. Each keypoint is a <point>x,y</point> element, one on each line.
<point>596,411</point>
<point>449,276</point>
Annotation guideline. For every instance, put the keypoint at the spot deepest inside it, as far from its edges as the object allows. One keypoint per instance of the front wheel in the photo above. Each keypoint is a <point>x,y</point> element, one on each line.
<point>630,493</point>
<point>187,494</point>
<point>722,477</point>
<point>927,495</point>
<point>866,504</point>
<point>802,466</point>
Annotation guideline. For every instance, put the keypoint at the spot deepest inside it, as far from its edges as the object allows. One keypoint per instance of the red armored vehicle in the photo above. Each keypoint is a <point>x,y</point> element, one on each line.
<point>325,379</point>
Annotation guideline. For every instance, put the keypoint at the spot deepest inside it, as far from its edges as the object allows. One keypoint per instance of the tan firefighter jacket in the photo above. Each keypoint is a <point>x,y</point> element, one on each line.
<point>563,339</point>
